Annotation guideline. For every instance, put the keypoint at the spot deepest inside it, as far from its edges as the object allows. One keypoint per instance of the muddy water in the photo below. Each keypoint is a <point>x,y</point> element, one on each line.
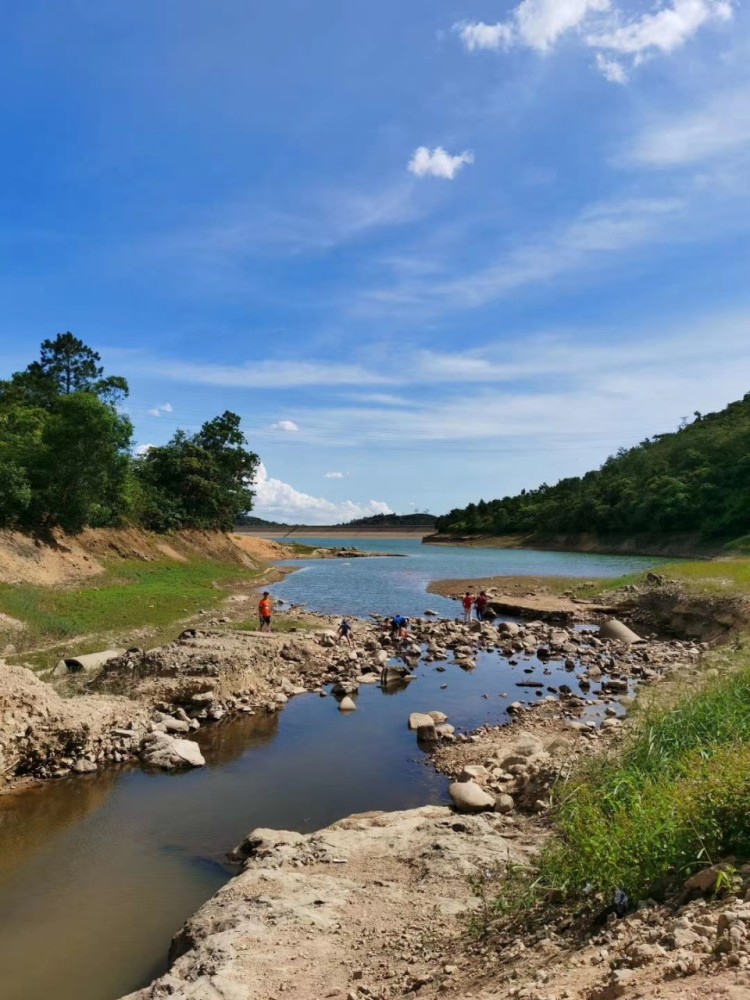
<point>97,873</point>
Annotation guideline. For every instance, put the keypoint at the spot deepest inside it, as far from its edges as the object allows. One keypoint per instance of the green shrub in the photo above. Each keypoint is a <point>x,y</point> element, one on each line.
<point>673,799</point>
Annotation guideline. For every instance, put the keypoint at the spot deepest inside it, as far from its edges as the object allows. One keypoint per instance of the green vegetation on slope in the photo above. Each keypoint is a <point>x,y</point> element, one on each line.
<point>693,481</point>
<point>673,799</point>
<point>65,455</point>
<point>131,596</point>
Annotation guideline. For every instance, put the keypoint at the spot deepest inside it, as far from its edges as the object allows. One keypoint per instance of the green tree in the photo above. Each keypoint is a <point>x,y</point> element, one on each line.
<point>79,470</point>
<point>66,365</point>
<point>199,481</point>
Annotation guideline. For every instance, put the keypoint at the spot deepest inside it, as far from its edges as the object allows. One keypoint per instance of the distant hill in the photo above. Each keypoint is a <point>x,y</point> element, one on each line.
<point>378,522</point>
<point>695,481</point>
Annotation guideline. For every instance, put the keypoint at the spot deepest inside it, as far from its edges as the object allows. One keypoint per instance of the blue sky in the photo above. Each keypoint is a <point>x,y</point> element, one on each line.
<point>430,252</point>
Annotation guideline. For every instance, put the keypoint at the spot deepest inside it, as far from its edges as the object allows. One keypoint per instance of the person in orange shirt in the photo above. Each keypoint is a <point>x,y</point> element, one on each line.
<point>265,610</point>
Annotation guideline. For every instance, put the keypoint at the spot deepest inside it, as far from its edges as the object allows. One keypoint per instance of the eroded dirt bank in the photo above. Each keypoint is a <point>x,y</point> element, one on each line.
<point>60,559</point>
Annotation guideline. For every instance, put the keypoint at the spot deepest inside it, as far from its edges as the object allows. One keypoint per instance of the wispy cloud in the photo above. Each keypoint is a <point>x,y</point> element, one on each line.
<point>333,475</point>
<point>599,233</point>
<point>720,127</point>
<point>286,426</point>
<point>244,228</point>
<point>250,374</point>
<point>157,411</point>
<point>437,162</point>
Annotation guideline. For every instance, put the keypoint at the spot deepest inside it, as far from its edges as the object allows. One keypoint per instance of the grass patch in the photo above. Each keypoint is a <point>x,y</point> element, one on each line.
<point>725,576</point>
<point>281,623</point>
<point>675,798</point>
<point>130,596</point>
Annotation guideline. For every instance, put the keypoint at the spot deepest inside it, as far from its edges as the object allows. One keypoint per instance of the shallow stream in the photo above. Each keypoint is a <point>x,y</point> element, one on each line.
<point>98,872</point>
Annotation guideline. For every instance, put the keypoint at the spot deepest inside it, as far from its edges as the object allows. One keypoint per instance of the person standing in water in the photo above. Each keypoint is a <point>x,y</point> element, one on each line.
<point>265,611</point>
<point>467,603</point>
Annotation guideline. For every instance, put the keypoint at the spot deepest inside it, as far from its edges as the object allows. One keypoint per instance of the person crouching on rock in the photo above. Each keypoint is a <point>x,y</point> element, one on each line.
<point>265,611</point>
<point>399,627</point>
<point>345,632</point>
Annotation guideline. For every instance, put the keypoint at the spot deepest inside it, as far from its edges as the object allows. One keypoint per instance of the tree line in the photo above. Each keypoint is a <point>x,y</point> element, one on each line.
<point>66,457</point>
<point>695,480</point>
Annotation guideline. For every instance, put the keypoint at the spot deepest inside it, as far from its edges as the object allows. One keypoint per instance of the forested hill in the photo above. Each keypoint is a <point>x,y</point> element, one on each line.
<point>693,481</point>
<point>378,522</point>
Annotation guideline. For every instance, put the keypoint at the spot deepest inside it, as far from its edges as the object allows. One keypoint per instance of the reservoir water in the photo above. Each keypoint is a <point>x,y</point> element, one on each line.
<point>98,872</point>
<point>399,586</point>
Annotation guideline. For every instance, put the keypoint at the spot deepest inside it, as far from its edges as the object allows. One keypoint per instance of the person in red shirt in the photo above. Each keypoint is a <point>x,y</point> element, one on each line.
<point>265,610</point>
<point>467,603</point>
<point>480,605</point>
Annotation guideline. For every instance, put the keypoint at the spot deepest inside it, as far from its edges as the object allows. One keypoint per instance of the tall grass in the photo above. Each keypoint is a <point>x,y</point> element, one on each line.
<point>674,798</point>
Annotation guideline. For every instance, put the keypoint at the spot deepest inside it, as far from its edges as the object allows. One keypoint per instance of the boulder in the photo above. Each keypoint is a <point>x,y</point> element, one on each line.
<point>347,705</point>
<point>504,804</point>
<point>474,772</point>
<point>164,751</point>
<point>438,717</point>
<point>202,698</point>
<point>509,628</point>
<point>427,734</point>
<point>175,725</point>
<point>418,720</point>
<point>614,629</point>
<point>468,797</point>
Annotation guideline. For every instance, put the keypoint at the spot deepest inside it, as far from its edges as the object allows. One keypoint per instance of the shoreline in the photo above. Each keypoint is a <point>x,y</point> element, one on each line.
<point>676,548</point>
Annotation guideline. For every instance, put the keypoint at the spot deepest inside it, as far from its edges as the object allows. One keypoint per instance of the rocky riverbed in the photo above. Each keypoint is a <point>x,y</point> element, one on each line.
<point>378,905</point>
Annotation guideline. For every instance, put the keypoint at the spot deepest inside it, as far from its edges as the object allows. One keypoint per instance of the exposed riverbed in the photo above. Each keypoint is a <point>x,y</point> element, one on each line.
<point>98,872</point>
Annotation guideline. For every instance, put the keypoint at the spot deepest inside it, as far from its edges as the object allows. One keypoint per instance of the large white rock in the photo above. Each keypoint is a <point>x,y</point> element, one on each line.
<point>468,797</point>
<point>419,719</point>
<point>164,751</point>
<point>347,705</point>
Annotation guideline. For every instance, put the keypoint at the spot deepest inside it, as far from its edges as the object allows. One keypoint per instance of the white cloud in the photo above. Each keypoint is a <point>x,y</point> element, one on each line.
<point>664,30</point>
<point>288,426</point>
<point>539,25</point>
<point>611,69</point>
<point>155,412</point>
<point>279,501</point>
<point>478,35</point>
<point>333,475</point>
<point>143,448</point>
<point>438,163</point>
<point>720,127</point>
<point>167,408</point>
<point>542,22</point>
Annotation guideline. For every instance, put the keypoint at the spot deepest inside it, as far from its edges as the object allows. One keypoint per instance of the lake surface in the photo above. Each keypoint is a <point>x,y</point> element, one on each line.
<point>399,586</point>
<point>98,872</point>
